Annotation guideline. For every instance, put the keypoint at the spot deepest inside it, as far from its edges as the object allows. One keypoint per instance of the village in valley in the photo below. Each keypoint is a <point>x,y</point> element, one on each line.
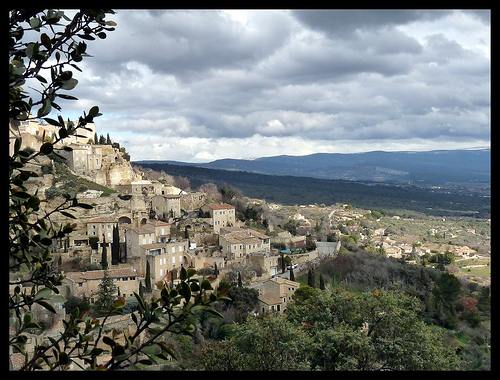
<point>149,229</point>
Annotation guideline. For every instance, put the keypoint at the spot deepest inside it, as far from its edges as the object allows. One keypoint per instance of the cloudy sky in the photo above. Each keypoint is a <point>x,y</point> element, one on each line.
<point>199,85</point>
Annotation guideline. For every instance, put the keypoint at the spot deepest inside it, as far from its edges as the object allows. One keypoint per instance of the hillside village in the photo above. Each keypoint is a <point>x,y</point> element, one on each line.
<point>162,228</point>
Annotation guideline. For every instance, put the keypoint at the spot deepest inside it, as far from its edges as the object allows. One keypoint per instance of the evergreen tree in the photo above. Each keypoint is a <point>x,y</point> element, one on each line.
<point>292,275</point>
<point>321,282</point>
<point>141,290</point>
<point>310,278</point>
<point>104,255</point>
<point>108,140</point>
<point>115,246</point>
<point>148,278</point>
<point>283,264</point>
<point>106,295</point>
<point>240,283</point>
<point>216,270</point>
<point>96,140</point>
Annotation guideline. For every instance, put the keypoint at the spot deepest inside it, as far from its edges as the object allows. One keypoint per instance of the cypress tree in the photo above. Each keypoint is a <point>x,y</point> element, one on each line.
<point>141,290</point>
<point>104,255</point>
<point>148,278</point>
<point>115,247</point>
<point>321,282</point>
<point>240,284</point>
<point>292,275</point>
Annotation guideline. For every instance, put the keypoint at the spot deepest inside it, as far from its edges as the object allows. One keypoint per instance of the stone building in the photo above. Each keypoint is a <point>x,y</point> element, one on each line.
<point>275,293</point>
<point>221,215</point>
<point>86,284</point>
<point>237,243</point>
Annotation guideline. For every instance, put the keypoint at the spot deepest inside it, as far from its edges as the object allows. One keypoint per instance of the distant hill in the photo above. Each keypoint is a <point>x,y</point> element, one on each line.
<point>292,190</point>
<point>431,168</point>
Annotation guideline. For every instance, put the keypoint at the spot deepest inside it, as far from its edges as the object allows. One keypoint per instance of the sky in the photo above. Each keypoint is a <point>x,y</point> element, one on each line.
<point>201,85</point>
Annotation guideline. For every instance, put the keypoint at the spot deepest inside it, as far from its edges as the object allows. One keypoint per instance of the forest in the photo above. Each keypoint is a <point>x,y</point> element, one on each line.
<point>291,190</point>
<point>368,312</point>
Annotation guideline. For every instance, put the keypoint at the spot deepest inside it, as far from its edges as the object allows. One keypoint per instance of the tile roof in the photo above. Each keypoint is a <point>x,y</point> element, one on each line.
<point>220,206</point>
<point>99,274</point>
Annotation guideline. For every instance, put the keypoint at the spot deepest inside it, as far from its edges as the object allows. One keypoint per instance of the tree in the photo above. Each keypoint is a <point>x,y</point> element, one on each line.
<point>44,46</point>
<point>147,280</point>
<point>292,275</point>
<point>267,343</point>
<point>369,331</point>
<point>311,281</point>
<point>321,281</point>
<point>115,246</point>
<point>106,295</point>
<point>104,254</point>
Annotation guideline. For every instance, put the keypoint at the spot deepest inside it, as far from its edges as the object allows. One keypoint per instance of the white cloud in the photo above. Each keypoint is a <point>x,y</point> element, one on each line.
<point>199,85</point>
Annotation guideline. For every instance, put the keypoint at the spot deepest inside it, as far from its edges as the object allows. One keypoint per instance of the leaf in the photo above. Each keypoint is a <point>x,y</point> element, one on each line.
<point>46,41</point>
<point>35,23</point>
<point>67,214</point>
<point>53,122</point>
<point>110,342</point>
<point>85,206</point>
<point>94,111</point>
<point>43,293</point>
<point>69,84</point>
<point>46,305</point>
<point>205,285</point>
<point>63,358</point>
<point>45,109</point>
<point>47,148</point>
<point>186,290</point>
<point>183,274</point>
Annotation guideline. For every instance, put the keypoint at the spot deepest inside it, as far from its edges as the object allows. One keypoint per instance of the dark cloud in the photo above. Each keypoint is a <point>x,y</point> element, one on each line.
<point>342,22</point>
<point>197,83</point>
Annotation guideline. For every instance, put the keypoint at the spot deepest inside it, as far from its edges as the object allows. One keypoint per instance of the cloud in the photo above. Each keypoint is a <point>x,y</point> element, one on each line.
<point>199,84</point>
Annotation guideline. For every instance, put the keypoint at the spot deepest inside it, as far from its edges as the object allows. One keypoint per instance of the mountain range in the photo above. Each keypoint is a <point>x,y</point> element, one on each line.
<point>428,168</point>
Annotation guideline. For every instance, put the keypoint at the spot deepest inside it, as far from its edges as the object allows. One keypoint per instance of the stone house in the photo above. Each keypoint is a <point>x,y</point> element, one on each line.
<point>275,293</point>
<point>86,284</point>
<point>166,206</point>
<point>221,215</point>
<point>269,263</point>
<point>237,242</point>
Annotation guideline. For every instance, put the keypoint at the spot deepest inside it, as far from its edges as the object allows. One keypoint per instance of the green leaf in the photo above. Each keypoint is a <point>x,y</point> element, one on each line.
<point>94,111</point>
<point>183,274</point>
<point>45,109</point>
<point>110,342</point>
<point>67,214</point>
<point>46,41</point>
<point>53,122</point>
<point>43,293</point>
<point>85,206</point>
<point>63,358</point>
<point>186,291</point>
<point>63,133</point>
<point>35,23</point>
<point>47,148</point>
<point>46,305</point>
<point>69,84</point>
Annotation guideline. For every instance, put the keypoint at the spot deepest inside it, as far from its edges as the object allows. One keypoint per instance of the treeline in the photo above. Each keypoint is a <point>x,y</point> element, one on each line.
<point>292,190</point>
